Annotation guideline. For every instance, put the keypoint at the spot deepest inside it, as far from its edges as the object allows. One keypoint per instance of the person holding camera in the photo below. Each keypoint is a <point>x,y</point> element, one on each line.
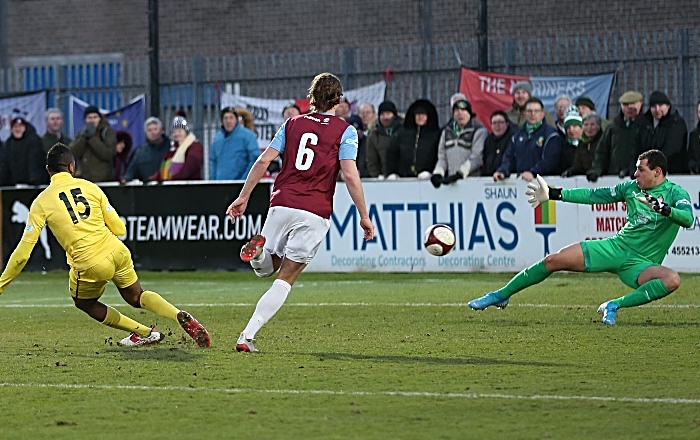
<point>94,148</point>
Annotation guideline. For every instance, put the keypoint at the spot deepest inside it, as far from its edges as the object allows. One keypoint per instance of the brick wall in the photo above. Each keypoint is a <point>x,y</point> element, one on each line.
<point>217,27</point>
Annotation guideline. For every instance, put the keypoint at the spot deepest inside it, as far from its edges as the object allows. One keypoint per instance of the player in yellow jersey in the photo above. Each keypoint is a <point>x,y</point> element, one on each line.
<point>87,227</point>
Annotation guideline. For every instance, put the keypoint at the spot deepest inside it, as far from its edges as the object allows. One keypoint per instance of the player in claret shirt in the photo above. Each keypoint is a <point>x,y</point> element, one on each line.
<point>316,147</point>
<point>656,209</point>
<point>87,227</point>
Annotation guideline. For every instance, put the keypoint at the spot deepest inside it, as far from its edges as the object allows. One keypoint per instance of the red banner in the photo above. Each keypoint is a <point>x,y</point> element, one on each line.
<point>488,92</point>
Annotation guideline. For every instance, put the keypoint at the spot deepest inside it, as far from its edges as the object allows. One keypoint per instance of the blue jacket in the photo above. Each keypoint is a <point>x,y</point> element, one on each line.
<point>232,153</point>
<point>537,152</point>
<point>146,159</point>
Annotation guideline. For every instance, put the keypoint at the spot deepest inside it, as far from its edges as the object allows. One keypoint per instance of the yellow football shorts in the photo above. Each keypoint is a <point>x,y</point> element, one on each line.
<point>117,267</point>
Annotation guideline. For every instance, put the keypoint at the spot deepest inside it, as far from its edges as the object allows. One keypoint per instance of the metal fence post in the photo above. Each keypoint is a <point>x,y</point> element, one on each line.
<point>198,105</point>
<point>426,8</point>
<point>4,64</point>
<point>509,60</point>
<point>60,101</point>
<point>348,68</point>
<point>686,102</point>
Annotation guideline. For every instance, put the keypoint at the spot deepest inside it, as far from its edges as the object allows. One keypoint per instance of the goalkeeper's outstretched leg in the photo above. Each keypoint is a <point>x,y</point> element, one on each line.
<point>569,258</point>
<point>656,209</point>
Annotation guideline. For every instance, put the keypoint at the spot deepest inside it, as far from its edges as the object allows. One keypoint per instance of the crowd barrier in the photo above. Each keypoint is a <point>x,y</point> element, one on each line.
<point>170,226</point>
<point>496,229</point>
<point>184,226</point>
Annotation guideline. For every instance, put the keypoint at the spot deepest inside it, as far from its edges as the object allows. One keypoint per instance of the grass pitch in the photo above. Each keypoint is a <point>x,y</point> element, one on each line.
<point>355,356</point>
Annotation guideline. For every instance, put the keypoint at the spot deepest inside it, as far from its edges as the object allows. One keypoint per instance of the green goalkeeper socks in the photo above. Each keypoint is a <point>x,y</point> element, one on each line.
<point>526,278</point>
<point>647,292</point>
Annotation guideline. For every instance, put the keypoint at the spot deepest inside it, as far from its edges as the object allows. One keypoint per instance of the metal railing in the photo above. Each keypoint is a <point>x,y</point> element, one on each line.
<point>667,61</point>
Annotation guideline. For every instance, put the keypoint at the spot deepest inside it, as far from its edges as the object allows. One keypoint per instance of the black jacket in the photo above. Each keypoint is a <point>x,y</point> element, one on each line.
<point>23,160</point>
<point>414,149</point>
<point>694,150</point>
<point>495,148</point>
<point>670,137</point>
<point>616,148</point>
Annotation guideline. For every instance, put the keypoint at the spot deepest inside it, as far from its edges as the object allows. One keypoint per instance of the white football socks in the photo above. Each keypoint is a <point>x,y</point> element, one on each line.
<point>263,265</point>
<point>267,306</point>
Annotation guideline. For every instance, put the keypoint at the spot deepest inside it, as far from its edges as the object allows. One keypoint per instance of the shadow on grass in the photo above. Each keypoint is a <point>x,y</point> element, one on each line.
<point>161,354</point>
<point>471,360</point>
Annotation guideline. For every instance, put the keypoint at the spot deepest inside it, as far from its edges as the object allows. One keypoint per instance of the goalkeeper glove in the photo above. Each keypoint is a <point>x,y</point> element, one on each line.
<point>656,204</point>
<point>541,194</point>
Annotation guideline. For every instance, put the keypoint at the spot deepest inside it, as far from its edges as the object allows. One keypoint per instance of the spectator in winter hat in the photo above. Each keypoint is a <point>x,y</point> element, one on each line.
<point>22,160</point>
<point>453,99</point>
<point>586,149</point>
<point>573,124</point>
<point>460,147</point>
<point>662,128</point>
<point>413,152</point>
<point>694,146</point>
<point>185,158</point>
<point>522,91</point>
<point>586,105</point>
<point>94,148</point>
<point>457,97</point>
<point>380,137</point>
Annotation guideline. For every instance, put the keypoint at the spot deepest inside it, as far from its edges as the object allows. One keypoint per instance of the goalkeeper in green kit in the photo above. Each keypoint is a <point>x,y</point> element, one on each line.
<point>656,209</point>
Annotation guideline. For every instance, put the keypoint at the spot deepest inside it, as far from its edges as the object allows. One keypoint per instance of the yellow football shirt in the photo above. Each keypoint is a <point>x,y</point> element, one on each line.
<point>80,217</point>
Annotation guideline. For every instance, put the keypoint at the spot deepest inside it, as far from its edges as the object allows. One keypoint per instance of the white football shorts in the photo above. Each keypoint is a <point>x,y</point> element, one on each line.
<point>294,233</point>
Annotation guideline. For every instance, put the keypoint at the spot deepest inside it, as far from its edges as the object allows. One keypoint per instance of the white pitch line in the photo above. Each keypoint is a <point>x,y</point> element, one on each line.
<point>364,304</point>
<point>360,393</point>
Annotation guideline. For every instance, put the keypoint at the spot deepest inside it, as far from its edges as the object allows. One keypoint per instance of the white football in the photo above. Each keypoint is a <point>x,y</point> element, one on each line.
<point>439,239</point>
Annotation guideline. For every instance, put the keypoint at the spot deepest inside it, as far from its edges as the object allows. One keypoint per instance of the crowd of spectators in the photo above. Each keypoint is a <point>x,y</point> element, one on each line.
<point>523,139</point>
<point>526,140</point>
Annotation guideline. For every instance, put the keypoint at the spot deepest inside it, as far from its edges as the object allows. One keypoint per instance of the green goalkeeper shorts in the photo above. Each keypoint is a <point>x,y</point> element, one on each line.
<point>609,256</point>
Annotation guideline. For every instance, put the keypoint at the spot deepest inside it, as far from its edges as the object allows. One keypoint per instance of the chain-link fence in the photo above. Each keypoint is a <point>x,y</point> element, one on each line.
<point>667,61</point>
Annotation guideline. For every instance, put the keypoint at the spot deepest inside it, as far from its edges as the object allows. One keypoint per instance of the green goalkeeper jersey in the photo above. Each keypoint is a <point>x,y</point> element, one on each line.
<point>646,232</point>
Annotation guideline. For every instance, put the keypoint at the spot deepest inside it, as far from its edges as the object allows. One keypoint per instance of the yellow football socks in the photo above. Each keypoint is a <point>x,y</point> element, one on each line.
<point>116,320</point>
<point>156,304</point>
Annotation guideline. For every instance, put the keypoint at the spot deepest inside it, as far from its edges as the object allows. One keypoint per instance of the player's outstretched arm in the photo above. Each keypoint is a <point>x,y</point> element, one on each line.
<point>238,207</point>
<point>540,192</point>
<point>16,263</point>
<point>21,254</point>
<point>357,194</point>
